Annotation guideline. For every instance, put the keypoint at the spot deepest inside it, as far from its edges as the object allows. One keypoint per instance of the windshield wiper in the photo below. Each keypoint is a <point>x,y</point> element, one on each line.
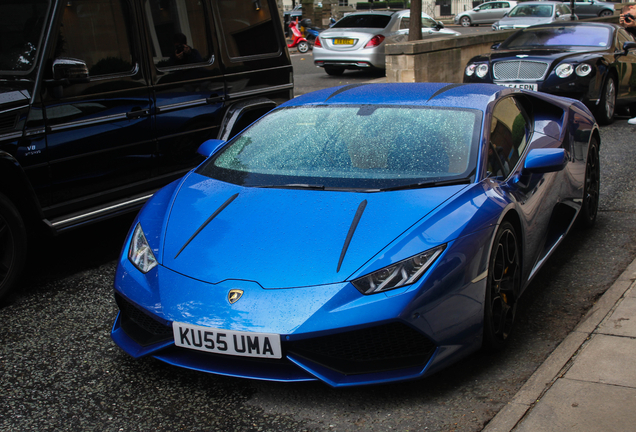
<point>293,186</point>
<point>428,184</point>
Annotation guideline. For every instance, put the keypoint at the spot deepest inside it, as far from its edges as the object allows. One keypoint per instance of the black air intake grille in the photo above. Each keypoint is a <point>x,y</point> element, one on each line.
<point>8,122</point>
<point>375,349</point>
<point>142,328</point>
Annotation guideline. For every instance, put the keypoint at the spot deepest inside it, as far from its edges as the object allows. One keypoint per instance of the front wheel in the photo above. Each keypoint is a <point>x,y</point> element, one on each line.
<point>591,188</point>
<point>13,245</point>
<point>303,46</point>
<point>503,284</point>
<point>464,21</point>
<point>605,111</point>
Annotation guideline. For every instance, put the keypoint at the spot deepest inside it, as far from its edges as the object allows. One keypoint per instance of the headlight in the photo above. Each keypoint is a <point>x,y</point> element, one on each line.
<point>470,69</point>
<point>399,274</point>
<point>482,70</point>
<point>583,69</point>
<point>564,70</point>
<point>140,253</point>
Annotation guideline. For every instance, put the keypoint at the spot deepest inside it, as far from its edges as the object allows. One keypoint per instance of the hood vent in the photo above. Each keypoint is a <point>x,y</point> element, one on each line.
<point>8,122</point>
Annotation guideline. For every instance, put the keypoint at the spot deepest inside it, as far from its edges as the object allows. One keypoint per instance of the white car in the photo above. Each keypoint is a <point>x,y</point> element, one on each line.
<point>485,13</point>
<point>357,41</point>
<point>531,13</point>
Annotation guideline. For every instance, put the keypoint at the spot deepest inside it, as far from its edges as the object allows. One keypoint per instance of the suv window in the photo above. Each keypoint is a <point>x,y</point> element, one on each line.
<point>247,28</point>
<point>96,31</point>
<point>177,32</point>
<point>21,24</point>
<point>508,132</point>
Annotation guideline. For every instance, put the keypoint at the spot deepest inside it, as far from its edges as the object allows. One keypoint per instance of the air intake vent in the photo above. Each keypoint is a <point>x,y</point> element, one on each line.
<point>8,122</point>
<point>142,328</point>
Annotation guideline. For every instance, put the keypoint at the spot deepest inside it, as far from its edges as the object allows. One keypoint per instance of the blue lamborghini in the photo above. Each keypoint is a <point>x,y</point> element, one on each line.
<point>359,234</point>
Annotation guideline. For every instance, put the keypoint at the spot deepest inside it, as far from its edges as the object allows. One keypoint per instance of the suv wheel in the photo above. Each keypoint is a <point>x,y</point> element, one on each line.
<point>13,245</point>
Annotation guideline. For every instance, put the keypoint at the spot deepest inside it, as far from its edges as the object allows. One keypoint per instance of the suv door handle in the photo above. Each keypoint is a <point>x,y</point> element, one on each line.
<point>137,113</point>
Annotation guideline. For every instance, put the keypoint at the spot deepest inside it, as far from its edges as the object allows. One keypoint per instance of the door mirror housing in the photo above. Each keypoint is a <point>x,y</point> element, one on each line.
<point>209,147</point>
<point>70,70</point>
<point>545,160</point>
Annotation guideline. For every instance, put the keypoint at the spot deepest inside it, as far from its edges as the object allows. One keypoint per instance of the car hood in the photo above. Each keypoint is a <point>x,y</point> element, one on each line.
<point>284,238</point>
<point>12,96</point>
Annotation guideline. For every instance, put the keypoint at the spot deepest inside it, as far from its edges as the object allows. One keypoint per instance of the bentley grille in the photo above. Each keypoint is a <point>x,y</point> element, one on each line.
<point>519,69</point>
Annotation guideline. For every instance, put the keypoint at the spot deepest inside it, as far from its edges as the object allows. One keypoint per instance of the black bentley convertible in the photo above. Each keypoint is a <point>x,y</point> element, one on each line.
<point>592,62</point>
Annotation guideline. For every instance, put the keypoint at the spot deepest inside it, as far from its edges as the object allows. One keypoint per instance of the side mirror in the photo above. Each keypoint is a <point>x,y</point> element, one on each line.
<point>70,70</point>
<point>505,15</point>
<point>477,9</point>
<point>558,14</point>
<point>439,25</point>
<point>545,160</point>
<point>495,46</point>
<point>209,147</point>
<point>627,46</point>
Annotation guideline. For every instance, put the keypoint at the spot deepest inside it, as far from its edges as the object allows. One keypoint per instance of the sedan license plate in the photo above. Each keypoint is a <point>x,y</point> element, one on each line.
<point>343,41</point>
<point>522,86</point>
<point>230,342</point>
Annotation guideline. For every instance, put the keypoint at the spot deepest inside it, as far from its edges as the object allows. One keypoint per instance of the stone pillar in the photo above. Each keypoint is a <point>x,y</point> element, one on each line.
<point>308,9</point>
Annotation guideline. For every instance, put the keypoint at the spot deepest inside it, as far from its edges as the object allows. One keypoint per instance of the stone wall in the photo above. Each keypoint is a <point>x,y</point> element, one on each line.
<point>442,59</point>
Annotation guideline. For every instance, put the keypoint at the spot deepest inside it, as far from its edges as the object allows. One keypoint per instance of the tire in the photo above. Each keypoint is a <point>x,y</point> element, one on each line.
<point>465,21</point>
<point>13,245</point>
<point>589,207</point>
<point>334,71</point>
<point>606,13</point>
<point>605,111</point>
<point>302,47</point>
<point>503,284</point>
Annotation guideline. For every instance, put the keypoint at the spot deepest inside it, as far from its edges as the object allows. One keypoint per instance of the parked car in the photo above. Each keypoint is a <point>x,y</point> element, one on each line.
<point>536,12</point>
<point>591,62</point>
<point>592,8</point>
<point>485,13</point>
<point>360,234</point>
<point>357,41</point>
<point>103,102</point>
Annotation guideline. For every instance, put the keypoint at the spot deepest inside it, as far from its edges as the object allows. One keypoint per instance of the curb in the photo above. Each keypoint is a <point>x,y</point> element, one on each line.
<point>557,364</point>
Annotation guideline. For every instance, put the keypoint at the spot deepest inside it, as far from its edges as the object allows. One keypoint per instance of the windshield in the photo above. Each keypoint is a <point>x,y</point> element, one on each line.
<point>363,21</point>
<point>575,36</point>
<point>21,27</point>
<point>533,10</point>
<point>351,147</point>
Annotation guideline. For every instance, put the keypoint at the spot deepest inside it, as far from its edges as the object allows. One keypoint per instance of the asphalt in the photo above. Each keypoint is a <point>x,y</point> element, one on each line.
<point>588,383</point>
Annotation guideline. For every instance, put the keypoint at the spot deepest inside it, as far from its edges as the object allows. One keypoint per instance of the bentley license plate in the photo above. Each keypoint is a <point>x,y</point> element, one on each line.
<point>522,86</point>
<point>343,41</point>
<point>230,342</point>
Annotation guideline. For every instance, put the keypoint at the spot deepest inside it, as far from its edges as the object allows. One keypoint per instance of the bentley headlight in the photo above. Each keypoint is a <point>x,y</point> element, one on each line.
<point>140,253</point>
<point>564,70</point>
<point>583,69</point>
<point>482,70</point>
<point>470,69</point>
<point>399,274</point>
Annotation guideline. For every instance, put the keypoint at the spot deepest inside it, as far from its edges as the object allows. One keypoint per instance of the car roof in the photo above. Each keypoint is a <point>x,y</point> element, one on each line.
<point>540,3</point>
<point>472,96</point>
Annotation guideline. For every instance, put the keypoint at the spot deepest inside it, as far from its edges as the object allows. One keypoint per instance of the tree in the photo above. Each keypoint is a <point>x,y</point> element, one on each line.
<point>415,24</point>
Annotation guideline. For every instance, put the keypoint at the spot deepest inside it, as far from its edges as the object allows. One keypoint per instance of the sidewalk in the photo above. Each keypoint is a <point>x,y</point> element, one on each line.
<point>589,382</point>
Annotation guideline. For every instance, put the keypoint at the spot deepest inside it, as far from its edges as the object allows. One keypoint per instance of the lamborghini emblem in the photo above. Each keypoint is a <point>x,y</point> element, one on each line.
<point>234,295</point>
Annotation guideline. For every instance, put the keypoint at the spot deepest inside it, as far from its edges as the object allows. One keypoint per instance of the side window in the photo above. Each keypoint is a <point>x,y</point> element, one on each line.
<point>508,135</point>
<point>96,31</point>
<point>177,32</point>
<point>405,22</point>
<point>248,28</point>
<point>486,6</point>
<point>21,26</point>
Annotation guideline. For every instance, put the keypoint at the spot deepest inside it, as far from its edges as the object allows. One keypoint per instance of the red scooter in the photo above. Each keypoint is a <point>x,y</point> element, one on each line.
<point>298,41</point>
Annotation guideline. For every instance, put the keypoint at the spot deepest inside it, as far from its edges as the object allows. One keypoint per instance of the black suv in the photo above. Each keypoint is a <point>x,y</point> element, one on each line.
<point>102,102</point>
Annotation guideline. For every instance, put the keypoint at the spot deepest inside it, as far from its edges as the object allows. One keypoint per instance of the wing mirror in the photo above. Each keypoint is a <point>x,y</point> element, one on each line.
<point>209,147</point>
<point>627,46</point>
<point>545,160</point>
<point>477,9</point>
<point>439,25</point>
<point>495,46</point>
<point>70,70</point>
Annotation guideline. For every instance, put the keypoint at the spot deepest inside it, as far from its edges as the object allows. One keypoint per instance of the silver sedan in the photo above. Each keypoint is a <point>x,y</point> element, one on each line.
<point>357,41</point>
<point>534,12</point>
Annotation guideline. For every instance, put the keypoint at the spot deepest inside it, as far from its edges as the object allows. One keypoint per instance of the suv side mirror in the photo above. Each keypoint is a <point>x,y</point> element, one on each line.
<point>70,70</point>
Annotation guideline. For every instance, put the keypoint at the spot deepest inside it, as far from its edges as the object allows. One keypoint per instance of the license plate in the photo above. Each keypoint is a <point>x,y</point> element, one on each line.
<point>218,341</point>
<point>343,41</point>
<point>522,86</point>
